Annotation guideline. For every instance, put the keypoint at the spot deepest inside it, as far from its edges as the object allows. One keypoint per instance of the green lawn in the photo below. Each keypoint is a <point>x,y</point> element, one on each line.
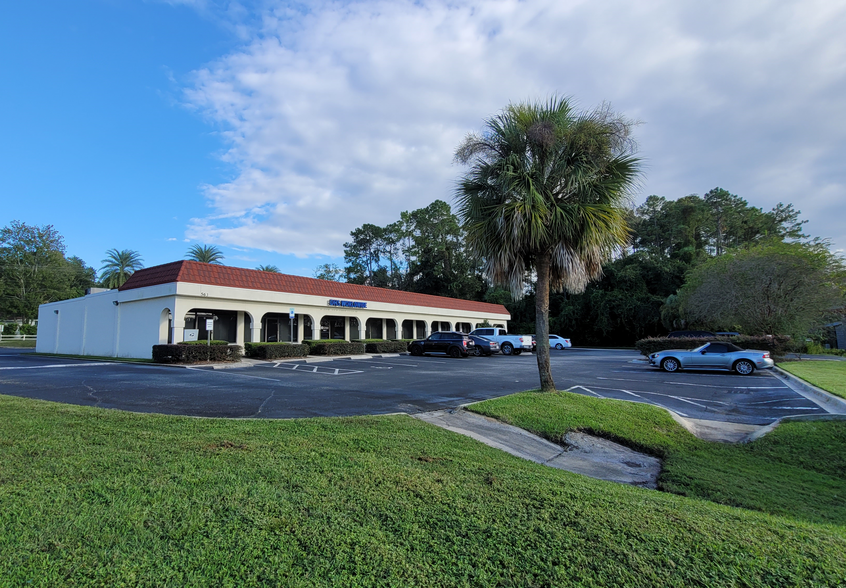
<point>826,374</point>
<point>29,344</point>
<point>798,470</point>
<point>106,498</point>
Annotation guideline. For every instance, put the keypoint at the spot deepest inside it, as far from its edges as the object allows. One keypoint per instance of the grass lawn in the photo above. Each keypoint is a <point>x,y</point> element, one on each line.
<point>97,497</point>
<point>19,344</point>
<point>826,374</point>
<point>797,471</point>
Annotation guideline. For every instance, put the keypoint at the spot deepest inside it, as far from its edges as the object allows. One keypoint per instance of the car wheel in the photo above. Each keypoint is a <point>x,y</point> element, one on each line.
<point>559,346</point>
<point>477,351</point>
<point>454,352</point>
<point>671,364</point>
<point>416,350</point>
<point>744,367</point>
<point>507,349</point>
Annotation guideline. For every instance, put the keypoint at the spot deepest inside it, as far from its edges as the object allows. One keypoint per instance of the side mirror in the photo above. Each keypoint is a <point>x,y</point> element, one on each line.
<point>702,352</point>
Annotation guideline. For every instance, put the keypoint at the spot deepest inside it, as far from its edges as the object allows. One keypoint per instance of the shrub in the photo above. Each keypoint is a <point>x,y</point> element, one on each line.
<point>275,350</point>
<point>777,344</point>
<point>28,329</point>
<point>381,346</point>
<point>334,347</point>
<point>192,353</point>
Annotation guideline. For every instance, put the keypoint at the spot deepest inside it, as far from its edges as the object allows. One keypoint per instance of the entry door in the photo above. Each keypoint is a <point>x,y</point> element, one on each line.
<point>271,333</point>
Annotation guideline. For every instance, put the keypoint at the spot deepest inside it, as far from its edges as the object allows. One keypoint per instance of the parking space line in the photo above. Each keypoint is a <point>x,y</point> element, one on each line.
<point>55,365</point>
<point>688,401</point>
<point>732,387</point>
<point>630,393</point>
<point>586,390</point>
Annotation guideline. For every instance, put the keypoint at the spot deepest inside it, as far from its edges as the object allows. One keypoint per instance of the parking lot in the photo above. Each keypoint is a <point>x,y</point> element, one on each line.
<point>380,385</point>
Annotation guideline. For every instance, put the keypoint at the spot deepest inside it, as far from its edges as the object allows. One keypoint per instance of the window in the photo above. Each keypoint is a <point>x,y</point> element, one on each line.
<point>716,348</point>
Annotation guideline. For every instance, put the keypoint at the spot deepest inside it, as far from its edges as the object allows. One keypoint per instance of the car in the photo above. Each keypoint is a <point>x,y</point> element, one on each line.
<point>714,355</point>
<point>484,346</point>
<point>676,334</point>
<point>559,342</point>
<point>555,342</point>
<point>452,343</point>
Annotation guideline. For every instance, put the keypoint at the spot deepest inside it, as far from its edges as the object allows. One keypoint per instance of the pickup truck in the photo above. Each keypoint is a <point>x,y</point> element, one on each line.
<point>508,344</point>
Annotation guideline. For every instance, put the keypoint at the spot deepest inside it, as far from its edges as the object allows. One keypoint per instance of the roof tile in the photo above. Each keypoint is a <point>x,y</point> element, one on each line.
<point>234,277</point>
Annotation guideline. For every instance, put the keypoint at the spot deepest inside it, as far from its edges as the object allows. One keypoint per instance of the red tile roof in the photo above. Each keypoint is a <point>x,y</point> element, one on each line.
<point>235,277</point>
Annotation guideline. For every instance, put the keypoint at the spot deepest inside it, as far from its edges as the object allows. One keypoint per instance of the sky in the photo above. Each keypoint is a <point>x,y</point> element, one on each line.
<point>272,129</point>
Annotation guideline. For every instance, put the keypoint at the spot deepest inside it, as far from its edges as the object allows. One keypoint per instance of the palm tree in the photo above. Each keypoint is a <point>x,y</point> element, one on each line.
<point>205,254</point>
<point>546,193</point>
<point>268,268</point>
<point>118,266</point>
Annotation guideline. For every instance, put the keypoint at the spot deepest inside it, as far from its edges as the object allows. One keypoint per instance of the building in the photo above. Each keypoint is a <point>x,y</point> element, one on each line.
<point>174,302</point>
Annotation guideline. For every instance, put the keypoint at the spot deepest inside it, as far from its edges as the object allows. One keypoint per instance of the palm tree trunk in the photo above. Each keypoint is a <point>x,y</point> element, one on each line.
<point>542,324</point>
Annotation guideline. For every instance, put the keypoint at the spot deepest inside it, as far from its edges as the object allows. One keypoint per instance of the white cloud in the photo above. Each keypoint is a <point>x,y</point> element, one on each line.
<point>346,113</point>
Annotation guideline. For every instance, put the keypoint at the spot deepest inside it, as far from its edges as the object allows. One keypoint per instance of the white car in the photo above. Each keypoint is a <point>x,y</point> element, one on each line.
<point>559,342</point>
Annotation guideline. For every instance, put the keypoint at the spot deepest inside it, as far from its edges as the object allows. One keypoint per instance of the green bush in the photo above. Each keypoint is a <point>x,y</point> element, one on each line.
<point>28,329</point>
<point>334,347</point>
<point>192,353</point>
<point>381,346</point>
<point>275,350</point>
<point>776,345</point>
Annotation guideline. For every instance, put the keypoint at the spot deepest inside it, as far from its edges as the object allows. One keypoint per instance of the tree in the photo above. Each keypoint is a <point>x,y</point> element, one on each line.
<point>34,270</point>
<point>363,253</point>
<point>329,271</point>
<point>772,289</point>
<point>546,192</point>
<point>118,266</point>
<point>268,268</point>
<point>205,254</point>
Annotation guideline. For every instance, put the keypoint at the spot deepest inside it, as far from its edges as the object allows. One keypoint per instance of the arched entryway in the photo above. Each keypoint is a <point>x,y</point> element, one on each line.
<point>224,325</point>
<point>166,327</point>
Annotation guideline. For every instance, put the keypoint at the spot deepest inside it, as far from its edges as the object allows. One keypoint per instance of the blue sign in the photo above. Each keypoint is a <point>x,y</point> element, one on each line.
<point>348,303</point>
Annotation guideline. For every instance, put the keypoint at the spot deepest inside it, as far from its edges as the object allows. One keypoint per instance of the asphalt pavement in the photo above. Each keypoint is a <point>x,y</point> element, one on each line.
<point>381,385</point>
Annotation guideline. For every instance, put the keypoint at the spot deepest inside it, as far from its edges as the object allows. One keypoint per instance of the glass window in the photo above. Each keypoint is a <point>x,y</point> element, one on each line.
<point>716,348</point>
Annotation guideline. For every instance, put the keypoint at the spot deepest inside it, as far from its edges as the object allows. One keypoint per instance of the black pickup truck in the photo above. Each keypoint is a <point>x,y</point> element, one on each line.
<point>450,342</point>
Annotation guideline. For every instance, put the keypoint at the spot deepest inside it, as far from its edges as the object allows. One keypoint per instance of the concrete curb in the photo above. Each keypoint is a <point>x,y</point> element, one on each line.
<point>796,417</point>
<point>827,401</point>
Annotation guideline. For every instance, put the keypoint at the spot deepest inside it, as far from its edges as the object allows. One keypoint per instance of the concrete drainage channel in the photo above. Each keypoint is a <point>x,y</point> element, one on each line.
<point>584,454</point>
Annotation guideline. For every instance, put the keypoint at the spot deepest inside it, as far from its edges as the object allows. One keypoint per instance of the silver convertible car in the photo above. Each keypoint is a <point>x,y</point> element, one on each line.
<point>716,355</point>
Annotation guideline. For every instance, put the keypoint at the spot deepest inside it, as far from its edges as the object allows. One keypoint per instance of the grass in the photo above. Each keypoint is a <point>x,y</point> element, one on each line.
<point>798,470</point>
<point>103,498</point>
<point>826,374</point>
<point>22,344</point>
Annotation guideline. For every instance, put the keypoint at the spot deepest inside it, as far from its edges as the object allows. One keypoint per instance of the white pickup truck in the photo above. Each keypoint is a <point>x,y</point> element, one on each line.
<point>508,344</point>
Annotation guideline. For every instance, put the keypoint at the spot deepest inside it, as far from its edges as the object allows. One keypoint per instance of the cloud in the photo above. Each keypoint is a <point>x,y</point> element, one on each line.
<point>337,114</point>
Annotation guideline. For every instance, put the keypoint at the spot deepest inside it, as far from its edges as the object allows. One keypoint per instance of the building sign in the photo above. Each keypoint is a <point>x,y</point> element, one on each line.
<point>348,303</point>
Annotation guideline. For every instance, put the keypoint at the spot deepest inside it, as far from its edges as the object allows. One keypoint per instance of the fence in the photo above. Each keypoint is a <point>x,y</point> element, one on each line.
<point>18,337</point>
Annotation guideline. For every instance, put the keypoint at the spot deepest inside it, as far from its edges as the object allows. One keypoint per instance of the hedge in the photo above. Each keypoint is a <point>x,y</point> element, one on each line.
<point>381,346</point>
<point>777,344</point>
<point>192,353</point>
<point>334,347</point>
<point>275,350</point>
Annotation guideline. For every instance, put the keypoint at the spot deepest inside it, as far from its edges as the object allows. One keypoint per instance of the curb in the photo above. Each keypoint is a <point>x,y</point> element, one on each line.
<point>827,401</point>
<point>796,417</point>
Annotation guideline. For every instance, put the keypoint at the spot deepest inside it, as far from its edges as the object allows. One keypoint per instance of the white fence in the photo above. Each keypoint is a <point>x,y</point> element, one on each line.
<point>18,337</point>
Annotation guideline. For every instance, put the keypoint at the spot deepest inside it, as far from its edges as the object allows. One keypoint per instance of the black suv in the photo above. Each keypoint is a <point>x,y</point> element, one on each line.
<point>449,342</point>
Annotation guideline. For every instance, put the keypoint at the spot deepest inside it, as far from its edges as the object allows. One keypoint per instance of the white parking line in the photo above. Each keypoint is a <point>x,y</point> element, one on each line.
<point>55,365</point>
<point>630,393</point>
<point>679,398</point>
<point>732,387</point>
<point>586,390</point>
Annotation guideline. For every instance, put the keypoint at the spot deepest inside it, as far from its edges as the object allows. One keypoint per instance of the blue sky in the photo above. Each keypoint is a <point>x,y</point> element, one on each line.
<point>273,129</point>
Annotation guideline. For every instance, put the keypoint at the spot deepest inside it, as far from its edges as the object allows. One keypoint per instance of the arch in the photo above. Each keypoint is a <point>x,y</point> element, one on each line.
<point>441,326</point>
<point>408,329</point>
<point>165,327</point>
<point>277,327</point>
<point>308,327</point>
<point>463,327</point>
<point>421,328</point>
<point>391,329</point>
<point>355,328</point>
